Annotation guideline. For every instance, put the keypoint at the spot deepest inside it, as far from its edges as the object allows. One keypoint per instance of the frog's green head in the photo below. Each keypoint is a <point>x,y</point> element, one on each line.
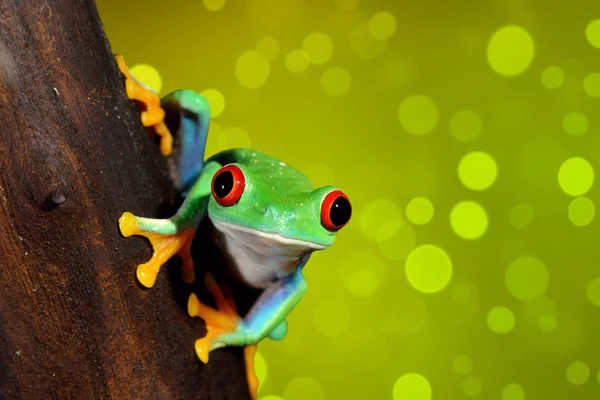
<point>271,199</point>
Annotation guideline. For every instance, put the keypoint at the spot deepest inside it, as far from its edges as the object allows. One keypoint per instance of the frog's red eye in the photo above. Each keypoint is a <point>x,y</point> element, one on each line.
<point>228,185</point>
<point>336,210</point>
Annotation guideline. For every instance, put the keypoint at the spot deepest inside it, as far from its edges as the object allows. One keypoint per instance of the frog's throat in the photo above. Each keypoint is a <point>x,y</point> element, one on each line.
<point>258,258</point>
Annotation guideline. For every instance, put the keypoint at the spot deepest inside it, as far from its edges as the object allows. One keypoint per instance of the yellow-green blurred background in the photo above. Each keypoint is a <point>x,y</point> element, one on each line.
<point>466,134</point>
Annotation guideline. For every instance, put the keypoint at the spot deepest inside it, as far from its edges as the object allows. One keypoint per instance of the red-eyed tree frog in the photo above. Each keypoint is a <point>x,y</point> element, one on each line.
<point>266,218</point>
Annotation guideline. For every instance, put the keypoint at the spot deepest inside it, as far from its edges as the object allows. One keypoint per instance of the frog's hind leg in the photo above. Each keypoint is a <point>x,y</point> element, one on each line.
<point>154,114</point>
<point>167,239</point>
<point>222,320</point>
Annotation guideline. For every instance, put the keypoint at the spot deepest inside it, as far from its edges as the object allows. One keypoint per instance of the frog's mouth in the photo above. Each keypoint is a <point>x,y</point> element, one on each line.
<point>259,258</point>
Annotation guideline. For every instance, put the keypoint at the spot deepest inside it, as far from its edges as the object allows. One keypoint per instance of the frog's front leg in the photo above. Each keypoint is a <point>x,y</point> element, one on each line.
<point>174,235</point>
<point>167,237</point>
<point>265,319</point>
<point>153,115</point>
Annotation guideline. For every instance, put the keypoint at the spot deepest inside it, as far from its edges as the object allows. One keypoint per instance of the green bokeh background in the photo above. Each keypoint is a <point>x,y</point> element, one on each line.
<point>466,134</point>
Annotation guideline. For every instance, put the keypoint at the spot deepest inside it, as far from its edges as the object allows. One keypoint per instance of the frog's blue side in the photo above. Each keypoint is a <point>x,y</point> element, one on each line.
<point>194,119</point>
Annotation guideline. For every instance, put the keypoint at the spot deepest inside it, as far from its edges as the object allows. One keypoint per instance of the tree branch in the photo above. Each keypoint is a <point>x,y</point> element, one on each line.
<point>74,323</point>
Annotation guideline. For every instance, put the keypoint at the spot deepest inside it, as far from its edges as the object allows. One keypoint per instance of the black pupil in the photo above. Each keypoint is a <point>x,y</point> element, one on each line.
<point>223,184</point>
<point>340,211</point>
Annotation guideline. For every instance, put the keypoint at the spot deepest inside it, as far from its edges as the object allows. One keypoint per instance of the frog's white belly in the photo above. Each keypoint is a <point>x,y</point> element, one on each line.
<point>259,258</point>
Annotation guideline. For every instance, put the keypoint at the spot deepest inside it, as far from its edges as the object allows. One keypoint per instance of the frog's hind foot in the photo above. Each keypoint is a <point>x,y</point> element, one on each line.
<point>153,115</point>
<point>166,241</point>
<point>222,320</point>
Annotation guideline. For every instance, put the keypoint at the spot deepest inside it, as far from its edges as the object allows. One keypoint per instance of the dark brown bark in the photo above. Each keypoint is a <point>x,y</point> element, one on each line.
<point>74,322</point>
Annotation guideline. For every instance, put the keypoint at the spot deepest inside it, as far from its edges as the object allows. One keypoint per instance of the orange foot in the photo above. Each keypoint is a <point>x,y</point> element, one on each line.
<point>154,115</point>
<point>221,321</point>
<point>249,353</point>
<point>164,246</point>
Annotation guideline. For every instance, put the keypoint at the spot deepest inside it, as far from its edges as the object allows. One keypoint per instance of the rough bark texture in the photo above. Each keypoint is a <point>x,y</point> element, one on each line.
<point>74,322</point>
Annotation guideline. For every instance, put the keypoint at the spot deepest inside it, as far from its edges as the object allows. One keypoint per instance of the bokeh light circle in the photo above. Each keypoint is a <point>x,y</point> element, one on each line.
<point>347,5</point>
<point>592,32</point>
<point>593,292</point>
<point>575,123</point>
<point>212,143</point>
<point>500,320</point>
<point>361,271</point>
<point>462,364</point>
<point>382,25</point>
<point>527,278</point>
<point>578,373</point>
<point>540,307</point>
<point>468,220</point>
<point>419,211</point>
<point>364,283</point>
<point>364,45</point>
<point>268,48</point>
<point>581,211</point>
<point>521,216</point>
<point>148,75</point>
<point>336,81</point>
<point>377,214</point>
<point>233,137</point>
<point>461,294</point>
<point>591,85</point>
<point>302,388</point>
<point>472,386</point>
<point>465,126</point>
<point>214,5</point>
<point>412,386</point>
<point>260,368</point>
<point>428,268</point>
<point>513,391</point>
<point>318,48</point>
<point>460,304</point>
<point>418,114</point>
<point>576,176</point>
<point>297,61</point>
<point>251,70</point>
<point>477,170</point>
<point>396,239</point>
<point>547,323</point>
<point>510,50</point>
<point>216,101</point>
<point>552,77</point>
<point>332,318</point>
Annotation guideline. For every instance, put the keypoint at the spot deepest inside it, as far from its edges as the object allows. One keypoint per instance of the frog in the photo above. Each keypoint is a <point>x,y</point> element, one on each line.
<point>265,216</point>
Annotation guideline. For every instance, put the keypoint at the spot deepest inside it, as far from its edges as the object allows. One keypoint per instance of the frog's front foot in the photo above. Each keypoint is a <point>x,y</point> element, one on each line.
<point>223,327</point>
<point>153,115</point>
<point>166,241</point>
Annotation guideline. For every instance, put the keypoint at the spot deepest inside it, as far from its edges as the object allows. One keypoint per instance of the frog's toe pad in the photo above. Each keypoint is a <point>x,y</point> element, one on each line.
<point>128,224</point>
<point>193,306</point>
<point>202,347</point>
<point>146,274</point>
